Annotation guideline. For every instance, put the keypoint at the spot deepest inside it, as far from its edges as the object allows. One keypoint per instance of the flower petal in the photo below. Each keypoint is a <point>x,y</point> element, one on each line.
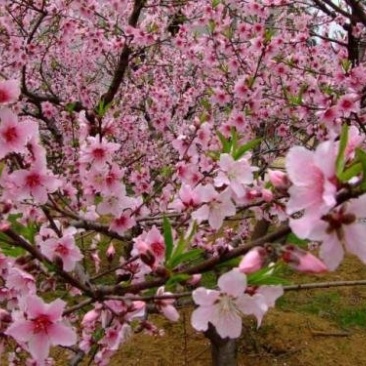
<point>204,297</point>
<point>233,283</point>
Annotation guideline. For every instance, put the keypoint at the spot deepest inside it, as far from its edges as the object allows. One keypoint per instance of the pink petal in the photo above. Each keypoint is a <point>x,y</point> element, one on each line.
<point>201,316</point>
<point>35,306</point>
<point>271,294</point>
<point>233,283</point>
<point>253,305</point>
<point>355,235</point>
<point>55,309</point>
<point>21,330</point>
<point>227,324</point>
<point>296,159</point>
<point>216,218</point>
<point>204,297</point>
<point>39,346</point>
<point>331,252</point>
<point>61,335</point>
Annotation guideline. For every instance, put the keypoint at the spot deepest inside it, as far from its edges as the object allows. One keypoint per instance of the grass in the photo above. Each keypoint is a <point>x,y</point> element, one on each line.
<point>334,305</point>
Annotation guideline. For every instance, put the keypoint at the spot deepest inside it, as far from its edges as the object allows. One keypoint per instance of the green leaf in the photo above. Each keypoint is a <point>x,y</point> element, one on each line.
<point>231,263</point>
<point>346,64</point>
<point>245,148</point>
<point>340,162</point>
<point>168,238</point>
<point>361,157</point>
<point>102,108</point>
<point>211,25</point>
<point>234,139</point>
<point>12,251</point>
<point>175,279</point>
<point>293,239</point>
<point>226,143</point>
<point>206,104</point>
<point>268,276</point>
<point>350,172</point>
<point>186,257</point>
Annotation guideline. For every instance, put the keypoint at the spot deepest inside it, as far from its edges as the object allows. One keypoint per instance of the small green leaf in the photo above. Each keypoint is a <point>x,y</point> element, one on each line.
<point>346,64</point>
<point>211,25</point>
<point>186,257</point>
<point>268,276</point>
<point>70,107</point>
<point>293,239</point>
<point>350,172</point>
<point>340,162</point>
<point>245,148</point>
<point>11,251</point>
<point>226,143</point>
<point>234,139</point>
<point>175,279</point>
<point>168,238</point>
<point>361,156</point>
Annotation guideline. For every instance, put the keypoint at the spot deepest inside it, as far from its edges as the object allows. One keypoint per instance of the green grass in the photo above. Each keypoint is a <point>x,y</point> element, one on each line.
<point>352,317</point>
<point>328,304</point>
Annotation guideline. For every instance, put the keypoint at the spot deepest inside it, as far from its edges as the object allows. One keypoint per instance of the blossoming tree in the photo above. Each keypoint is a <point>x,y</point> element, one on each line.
<point>136,145</point>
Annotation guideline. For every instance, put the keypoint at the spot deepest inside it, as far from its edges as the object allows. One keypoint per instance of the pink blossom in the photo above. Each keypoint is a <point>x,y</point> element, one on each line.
<point>235,174</point>
<point>218,206</point>
<point>225,307</point>
<point>122,223</point>
<point>349,103</point>
<point>63,248</point>
<point>34,183</point>
<point>21,281</point>
<point>97,152</point>
<point>187,198</point>
<point>42,327</point>
<point>9,91</point>
<point>151,247</point>
<point>14,135</point>
<point>343,228</point>
<point>313,189</point>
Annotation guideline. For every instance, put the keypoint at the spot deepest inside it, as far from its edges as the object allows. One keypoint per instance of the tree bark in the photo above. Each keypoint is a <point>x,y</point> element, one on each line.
<point>223,351</point>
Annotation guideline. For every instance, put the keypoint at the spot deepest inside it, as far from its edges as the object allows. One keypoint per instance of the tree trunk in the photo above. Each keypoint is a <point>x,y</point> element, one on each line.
<point>223,351</point>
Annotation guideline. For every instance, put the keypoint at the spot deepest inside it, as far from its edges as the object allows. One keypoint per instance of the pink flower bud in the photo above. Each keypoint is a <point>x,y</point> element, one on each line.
<point>111,251</point>
<point>302,261</point>
<point>252,261</point>
<point>267,195</point>
<point>278,179</point>
<point>195,279</point>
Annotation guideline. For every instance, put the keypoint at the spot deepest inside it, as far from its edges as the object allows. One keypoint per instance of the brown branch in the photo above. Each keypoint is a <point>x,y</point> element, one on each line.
<point>204,266</point>
<point>309,286</point>
<point>21,242</point>
<point>123,62</point>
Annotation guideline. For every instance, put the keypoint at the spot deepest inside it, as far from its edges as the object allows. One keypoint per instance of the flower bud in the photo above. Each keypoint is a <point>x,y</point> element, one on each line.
<point>302,261</point>
<point>111,251</point>
<point>278,179</point>
<point>252,261</point>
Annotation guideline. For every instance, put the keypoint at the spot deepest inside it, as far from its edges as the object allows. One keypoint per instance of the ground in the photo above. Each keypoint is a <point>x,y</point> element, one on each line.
<point>323,327</point>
